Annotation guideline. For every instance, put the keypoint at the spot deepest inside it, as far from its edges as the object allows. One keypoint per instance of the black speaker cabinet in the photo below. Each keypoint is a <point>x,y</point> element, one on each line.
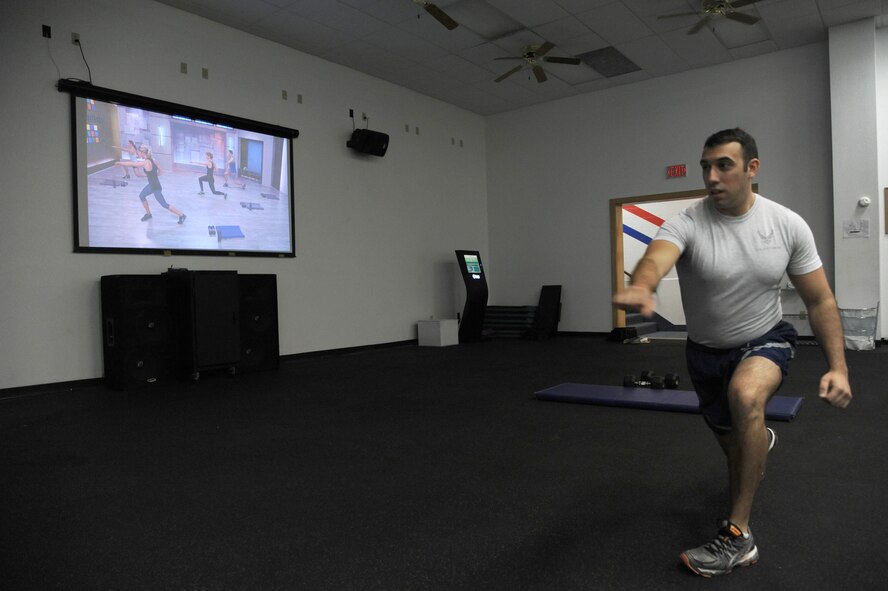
<point>138,332</point>
<point>259,344</point>
<point>206,304</point>
<point>545,324</point>
<point>368,141</point>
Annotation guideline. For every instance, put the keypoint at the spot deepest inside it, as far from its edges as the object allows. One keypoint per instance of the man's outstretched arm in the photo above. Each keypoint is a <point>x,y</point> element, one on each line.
<point>658,260</point>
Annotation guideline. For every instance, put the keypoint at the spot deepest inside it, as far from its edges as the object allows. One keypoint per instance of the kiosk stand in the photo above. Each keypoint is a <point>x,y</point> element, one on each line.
<point>476,295</point>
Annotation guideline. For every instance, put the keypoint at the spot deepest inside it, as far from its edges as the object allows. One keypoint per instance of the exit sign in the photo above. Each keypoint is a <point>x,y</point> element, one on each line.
<point>676,170</point>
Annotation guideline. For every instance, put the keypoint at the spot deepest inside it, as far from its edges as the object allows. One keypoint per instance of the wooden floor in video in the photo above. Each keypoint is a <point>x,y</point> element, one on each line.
<point>115,214</point>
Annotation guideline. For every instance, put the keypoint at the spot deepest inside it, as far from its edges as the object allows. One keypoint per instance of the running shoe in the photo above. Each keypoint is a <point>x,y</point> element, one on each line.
<point>730,548</point>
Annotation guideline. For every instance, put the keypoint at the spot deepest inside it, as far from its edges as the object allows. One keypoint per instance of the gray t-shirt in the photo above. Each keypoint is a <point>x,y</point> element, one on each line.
<point>730,267</point>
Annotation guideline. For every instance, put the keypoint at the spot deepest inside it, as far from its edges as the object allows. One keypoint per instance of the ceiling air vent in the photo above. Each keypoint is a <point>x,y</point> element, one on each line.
<point>609,62</point>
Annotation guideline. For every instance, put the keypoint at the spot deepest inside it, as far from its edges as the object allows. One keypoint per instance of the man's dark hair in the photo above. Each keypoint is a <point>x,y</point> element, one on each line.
<point>726,136</point>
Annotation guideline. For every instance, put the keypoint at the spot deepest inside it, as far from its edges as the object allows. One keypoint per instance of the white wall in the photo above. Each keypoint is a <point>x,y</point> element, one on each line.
<point>552,168</point>
<point>375,237</point>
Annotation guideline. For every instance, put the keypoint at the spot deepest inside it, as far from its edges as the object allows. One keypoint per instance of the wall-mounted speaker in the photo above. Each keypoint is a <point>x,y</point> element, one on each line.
<point>367,141</point>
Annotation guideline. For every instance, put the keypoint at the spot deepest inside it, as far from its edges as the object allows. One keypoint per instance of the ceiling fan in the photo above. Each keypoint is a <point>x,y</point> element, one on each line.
<point>713,8</point>
<point>533,56</point>
<point>438,14</point>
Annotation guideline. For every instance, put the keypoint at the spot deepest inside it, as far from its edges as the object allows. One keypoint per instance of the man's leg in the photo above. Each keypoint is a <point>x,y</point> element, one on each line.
<point>754,382</point>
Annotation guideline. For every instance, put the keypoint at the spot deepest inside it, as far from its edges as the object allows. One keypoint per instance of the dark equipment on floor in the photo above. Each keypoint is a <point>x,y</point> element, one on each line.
<point>780,408</point>
<point>649,379</point>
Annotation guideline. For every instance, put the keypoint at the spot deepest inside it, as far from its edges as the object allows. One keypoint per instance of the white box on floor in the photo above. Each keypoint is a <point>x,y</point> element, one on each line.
<point>438,333</point>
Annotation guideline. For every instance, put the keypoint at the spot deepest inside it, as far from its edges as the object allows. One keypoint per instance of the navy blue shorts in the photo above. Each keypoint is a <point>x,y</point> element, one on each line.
<point>711,369</point>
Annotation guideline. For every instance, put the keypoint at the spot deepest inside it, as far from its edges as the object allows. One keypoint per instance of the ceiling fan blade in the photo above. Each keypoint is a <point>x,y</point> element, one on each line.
<point>574,61</point>
<point>746,19</point>
<point>509,73</point>
<point>440,16</point>
<point>742,3</point>
<point>540,74</point>
<point>696,28</point>
<point>679,14</point>
<point>508,58</point>
<point>544,49</point>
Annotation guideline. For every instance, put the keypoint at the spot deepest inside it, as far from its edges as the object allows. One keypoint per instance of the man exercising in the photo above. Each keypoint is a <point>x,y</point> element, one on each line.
<point>731,250</point>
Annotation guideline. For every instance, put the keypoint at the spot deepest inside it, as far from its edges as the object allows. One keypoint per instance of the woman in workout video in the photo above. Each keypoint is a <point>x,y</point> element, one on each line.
<point>211,167</point>
<point>154,187</point>
<point>231,169</point>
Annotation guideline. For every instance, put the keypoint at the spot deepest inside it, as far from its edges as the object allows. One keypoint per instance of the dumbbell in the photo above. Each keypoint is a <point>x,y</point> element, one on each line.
<point>649,379</point>
<point>645,380</point>
<point>671,381</point>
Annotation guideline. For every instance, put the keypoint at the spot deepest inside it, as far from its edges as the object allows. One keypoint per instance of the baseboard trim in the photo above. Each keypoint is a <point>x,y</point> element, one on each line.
<point>349,350</point>
<point>40,389</point>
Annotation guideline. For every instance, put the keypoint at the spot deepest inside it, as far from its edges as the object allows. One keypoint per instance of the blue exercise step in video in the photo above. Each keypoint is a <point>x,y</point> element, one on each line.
<point>224,232</point>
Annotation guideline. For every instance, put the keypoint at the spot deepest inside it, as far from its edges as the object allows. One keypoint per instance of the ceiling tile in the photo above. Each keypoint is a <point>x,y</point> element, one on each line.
<point>734,34</point>
<point>530,14</point>
<point>585,43</point>
<point>654,56</point>
<point>434,32</point>
<point>338,16</point>
<point>459,68</point>
<point>234,13</point>
<point>562,30</point>
<point>699,50</point>
<point>515,43</point>
<point>646,8</point>
<point>404,44</point>
<point>577,6</point>
<point>481,54</point>
<point>615,23</point>
<point>573,75</point>
<point>289,28</point>
<point>754,49</point>
<point>483,19</point>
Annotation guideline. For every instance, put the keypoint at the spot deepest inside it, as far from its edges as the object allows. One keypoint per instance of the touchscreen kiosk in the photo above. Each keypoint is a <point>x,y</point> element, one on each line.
<point>476,295</point>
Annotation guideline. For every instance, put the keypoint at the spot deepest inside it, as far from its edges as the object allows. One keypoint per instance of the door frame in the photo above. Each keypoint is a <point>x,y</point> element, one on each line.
<point>616,231</point>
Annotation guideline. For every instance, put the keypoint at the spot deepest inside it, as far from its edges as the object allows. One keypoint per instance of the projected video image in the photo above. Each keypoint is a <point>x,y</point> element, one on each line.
<point>149,180</point>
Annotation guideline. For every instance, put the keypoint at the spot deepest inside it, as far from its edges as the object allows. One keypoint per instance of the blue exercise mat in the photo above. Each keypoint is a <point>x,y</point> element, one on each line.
<point>780,408</point>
